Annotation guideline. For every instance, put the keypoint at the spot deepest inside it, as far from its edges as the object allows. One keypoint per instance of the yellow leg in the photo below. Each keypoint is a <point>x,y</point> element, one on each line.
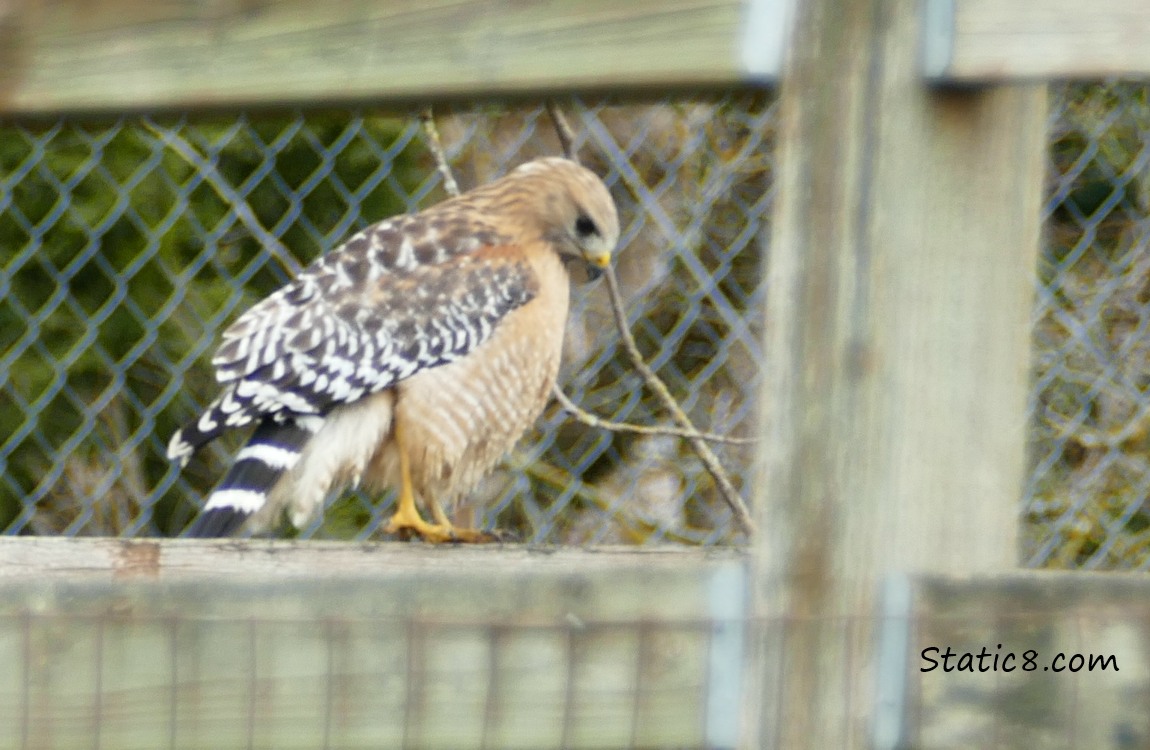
<point>437,513</point>
<point>407,521</point>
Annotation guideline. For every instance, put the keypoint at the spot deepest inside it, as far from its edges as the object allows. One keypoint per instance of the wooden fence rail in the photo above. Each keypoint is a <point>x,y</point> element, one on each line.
<point>131,55</point>
<point>901,268</point>
<point>207,644</point>
<point>210,644</point>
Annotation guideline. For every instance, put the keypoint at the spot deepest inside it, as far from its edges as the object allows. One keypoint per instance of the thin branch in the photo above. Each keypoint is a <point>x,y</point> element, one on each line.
<point>563,130</point>
<point>427,117</point>
<point>696,439</point>
<point>567,141</point>
<point>567,138</point>
<point>692,435</point>
<point>592,420</point>
<point>706,455</point>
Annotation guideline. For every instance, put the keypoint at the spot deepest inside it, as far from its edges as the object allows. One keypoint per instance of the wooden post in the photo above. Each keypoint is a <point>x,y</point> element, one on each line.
<point>900,274</point>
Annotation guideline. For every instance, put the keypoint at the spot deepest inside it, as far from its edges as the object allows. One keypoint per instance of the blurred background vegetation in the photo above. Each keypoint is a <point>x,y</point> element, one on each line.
<point>129,245</point>
<point>122,262</point>
<point>123,257</point>
<point>1090,428</point>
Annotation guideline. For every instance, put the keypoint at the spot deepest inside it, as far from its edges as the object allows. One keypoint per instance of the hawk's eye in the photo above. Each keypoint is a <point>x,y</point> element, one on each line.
<point>584,227</point>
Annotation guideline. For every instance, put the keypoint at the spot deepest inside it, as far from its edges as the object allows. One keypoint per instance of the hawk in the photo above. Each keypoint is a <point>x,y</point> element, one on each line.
<point>413,356</point>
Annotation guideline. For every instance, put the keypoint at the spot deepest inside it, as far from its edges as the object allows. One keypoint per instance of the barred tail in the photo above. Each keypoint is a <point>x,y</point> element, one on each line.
<point>272,451</point>
<point>238,405</point>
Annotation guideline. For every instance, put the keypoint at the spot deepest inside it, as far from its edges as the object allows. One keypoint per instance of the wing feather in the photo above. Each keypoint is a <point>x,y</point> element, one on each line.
<point>405,295</point>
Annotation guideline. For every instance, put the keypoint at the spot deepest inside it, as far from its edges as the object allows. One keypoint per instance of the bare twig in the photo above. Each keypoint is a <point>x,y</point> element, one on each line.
<point>563,130</point>
<point>449,183</point>
<point>706,455</point>
<point>567,138</point>
<point>688,431</point>
<point>692,435</point>
<point>592,420</point>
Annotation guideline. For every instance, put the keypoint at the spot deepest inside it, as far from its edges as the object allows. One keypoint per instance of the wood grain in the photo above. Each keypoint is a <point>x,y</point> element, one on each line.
<point>1100,617</point>
<point>901,271</point>
<point>980,41</point>
<point>116,55</point>
<point>167,559</point>
<point>197,644</point>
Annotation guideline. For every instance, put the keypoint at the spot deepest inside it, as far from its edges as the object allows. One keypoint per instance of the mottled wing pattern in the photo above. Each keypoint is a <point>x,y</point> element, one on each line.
<point>404,295</point>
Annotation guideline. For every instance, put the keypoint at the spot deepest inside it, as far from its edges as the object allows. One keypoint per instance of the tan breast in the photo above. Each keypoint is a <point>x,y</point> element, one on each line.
<point>460,419</point>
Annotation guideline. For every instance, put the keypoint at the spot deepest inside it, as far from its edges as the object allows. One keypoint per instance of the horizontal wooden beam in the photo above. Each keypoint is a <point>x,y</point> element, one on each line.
<point>70,55</point>
<point>62,56</point>
<point>42,558</point>
<point>978,41</point>
<point>205,644</point>
<point>208,644</point>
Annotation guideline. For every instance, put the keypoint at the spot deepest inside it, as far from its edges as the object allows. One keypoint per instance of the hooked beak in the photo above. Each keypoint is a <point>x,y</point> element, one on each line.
<point>596,264</point>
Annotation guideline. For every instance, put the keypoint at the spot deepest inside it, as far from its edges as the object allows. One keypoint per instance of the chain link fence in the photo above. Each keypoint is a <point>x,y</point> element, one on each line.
<point>1085,502</point>
<point>129,245</point>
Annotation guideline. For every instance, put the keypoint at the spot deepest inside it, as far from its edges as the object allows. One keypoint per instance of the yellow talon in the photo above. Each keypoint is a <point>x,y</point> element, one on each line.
<point>407,521</point>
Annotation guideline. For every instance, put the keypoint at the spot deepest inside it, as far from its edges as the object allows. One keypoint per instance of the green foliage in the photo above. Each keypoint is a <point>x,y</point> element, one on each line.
<point>133,249</point>
<point>122,257</point>
<point>117,268</point>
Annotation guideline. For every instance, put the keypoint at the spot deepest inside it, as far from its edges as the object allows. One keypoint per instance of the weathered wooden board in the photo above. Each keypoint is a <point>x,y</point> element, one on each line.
<point>170,559</point>
<point>1065,661</point>
<point>1000,40</point>
<point>194,644</point>
<point>902,260</point>
<point>116,55</point>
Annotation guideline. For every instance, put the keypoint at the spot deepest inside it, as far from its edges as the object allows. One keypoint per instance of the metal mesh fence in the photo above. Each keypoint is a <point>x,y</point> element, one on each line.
<point>1085,501</point>
<point>129,245</point>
